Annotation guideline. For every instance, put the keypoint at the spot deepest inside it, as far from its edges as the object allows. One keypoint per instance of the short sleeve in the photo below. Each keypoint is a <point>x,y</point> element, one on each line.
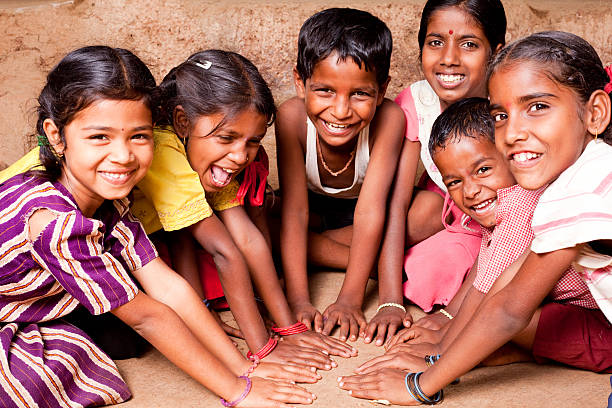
<point>71,249</point>
<point>226,198</point>
<point>406,102</point>
<point>511,237</point>
<point>129,243</point>
<point>172,187</point>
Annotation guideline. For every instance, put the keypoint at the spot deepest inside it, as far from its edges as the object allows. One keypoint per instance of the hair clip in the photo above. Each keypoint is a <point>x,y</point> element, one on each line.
<point>204,65</point>
<point>42,140</point>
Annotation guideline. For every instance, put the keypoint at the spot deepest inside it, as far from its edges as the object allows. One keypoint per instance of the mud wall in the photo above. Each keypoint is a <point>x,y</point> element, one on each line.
<point>35,34</point>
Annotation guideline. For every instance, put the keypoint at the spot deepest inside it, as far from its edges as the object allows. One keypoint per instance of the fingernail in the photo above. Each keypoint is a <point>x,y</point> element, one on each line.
<point>378,342</point>
<point>353,338</point>
<point>367,339</point>
<point>313,369</point>
<point>334,364</point>
<point>325,352</point>
<point>339,379</point>
<point>293,382</point>
<point>350,392</point>
<point>327,367</point>
<point>342,338</point>
<point>340,384</point>
<point>309,400</point>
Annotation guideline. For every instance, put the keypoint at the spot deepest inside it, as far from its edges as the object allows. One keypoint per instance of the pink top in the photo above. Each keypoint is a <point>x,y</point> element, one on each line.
<point>511,236</point>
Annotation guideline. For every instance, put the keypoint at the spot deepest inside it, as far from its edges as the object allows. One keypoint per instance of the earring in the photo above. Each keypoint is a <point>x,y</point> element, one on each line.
<point>596,133</point>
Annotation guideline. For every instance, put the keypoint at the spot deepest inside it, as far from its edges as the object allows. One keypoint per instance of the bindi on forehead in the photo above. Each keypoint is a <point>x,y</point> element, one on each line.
<point>450,32</point>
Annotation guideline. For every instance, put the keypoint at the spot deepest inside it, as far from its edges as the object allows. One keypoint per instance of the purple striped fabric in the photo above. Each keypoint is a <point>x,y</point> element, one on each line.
<point>75,260</point>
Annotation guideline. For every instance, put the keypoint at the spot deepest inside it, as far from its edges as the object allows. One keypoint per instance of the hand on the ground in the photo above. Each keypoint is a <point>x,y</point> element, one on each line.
<point>433,321</point>
<point>349,317</point>
<point>287,372</point>
<point>226,327</point>
<point>287,353</point>
<point>400,361</point>
<point>415,335</point>
<point>386,322</point>
<point>418,350</point>
<point>275,394</point>
<point>387,384</point>
<point>319,341</point>
<point>309,315</point>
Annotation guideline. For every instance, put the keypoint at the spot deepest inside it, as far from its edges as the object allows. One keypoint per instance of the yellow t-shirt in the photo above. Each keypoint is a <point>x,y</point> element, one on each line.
<point>170,195</point>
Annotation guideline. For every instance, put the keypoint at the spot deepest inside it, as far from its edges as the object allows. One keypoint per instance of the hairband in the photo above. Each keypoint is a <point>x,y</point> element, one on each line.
<point>608,87</point>
<point>204,64</point>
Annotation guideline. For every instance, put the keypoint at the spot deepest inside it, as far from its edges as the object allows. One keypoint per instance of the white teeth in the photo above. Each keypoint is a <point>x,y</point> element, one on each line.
<point>523,157</point>
<point>115,176</point>
<point>228,171</point>
<point>483,204</point>
<point>336,125</point>
<point>451,78</point>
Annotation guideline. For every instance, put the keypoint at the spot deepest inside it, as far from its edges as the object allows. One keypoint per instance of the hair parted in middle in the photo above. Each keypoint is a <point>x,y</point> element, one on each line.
<point>348,33</point>
<point>468,117</point>
<point>215,81</point>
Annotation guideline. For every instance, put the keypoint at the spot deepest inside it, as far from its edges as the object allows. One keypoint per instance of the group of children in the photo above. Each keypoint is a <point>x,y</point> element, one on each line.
<point>507,227</point>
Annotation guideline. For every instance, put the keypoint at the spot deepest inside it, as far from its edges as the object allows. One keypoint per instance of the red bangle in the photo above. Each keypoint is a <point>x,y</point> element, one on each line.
<point>295,328</point>
<point>265,350</point>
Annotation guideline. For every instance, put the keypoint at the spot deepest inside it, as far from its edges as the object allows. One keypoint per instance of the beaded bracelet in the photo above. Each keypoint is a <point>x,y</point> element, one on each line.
<point>295,328</point>
<point>445,313</point>
<point>242,396</point>
<point>412,386</point>
<point>430,360</point>
<point>265,350</point>
<point>252,368</point>
<point>391,304</point>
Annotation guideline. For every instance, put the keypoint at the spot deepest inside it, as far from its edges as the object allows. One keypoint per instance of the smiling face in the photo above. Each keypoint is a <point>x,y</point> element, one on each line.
<point>473,170</point>
<point>219,156</point>
<point>538,125</point>
<point>340,98</point>
<point>108,149</point>
<point>455,55</point>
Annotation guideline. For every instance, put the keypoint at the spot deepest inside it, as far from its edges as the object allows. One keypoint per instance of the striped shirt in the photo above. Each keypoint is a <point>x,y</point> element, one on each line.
<point>576,209</point>
<point>74,260</point>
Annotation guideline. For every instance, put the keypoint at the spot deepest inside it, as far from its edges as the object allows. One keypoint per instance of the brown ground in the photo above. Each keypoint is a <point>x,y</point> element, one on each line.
<point>37,33</point>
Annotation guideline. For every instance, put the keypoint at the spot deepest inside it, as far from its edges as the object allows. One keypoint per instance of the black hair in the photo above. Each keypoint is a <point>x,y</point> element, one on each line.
<point>468,117</point>
<point>215,81</point>
<point>349,33</point>
<point>489,14</point>
<point>565,58</point>
<point>82,77</point>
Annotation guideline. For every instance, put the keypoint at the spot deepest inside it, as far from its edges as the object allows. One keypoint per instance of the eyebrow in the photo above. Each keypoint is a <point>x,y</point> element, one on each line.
<point>315,85</point>
<point>463,37</point>
<point>526,98</point>
<point>108,128</point>
<point>475,164</point>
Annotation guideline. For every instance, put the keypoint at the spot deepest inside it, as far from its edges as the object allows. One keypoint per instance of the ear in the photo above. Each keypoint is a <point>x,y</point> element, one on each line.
<point>53,135</point>
<point>180,122</point>
<point>382,90</point>
<point>499,47</point>
<point>300,86</point>
<point>598,112</point>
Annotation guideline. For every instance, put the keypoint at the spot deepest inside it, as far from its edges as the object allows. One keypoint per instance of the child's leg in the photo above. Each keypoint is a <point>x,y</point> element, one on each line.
<point>330,248</point>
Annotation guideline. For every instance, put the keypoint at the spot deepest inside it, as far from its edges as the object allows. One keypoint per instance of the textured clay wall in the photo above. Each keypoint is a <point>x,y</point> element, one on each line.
<point>37,33</point>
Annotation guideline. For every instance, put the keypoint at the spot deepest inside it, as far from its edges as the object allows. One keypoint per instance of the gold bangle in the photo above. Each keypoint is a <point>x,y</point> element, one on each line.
<point>445,313</point>
<point>391,304</point>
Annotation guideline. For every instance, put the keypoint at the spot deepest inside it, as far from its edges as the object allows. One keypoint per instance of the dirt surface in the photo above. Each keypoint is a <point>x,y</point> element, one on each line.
<point>37,33</point>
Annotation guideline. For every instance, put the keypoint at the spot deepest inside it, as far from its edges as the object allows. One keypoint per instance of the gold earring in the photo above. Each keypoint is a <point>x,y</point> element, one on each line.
<point>596,133</point>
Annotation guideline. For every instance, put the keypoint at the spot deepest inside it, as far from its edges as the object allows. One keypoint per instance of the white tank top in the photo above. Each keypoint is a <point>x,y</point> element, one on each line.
<point>362,158</point>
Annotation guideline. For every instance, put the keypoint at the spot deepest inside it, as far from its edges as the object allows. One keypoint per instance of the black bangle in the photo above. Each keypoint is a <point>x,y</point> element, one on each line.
<point>413,388</point>
<point>430,360</point>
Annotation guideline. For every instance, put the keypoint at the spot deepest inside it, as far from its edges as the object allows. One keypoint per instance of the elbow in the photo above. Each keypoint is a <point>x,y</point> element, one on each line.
<point>507,315</point>
<point>146,322</point>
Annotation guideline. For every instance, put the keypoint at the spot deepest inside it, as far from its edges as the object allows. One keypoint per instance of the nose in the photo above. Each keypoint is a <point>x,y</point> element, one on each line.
<point>513,132</point>
<point>239,154</point>
<point>341,108</point>
<point>470,188</point>
<point>121,153</point>
<point>450,55</point>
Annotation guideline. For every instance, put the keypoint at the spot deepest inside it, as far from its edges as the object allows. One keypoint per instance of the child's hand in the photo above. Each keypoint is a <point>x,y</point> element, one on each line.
<point>387,384</point>
<point>433,321</point>
<point>400,361</point>
<point>349,317</point>
<point>275,394</point>
<point>415,335</point>
<point>419,350</point>
<point>320,341</point>
<point>287,372</point>
<point>287,353</point>
<point>386,321</point>
<point>309,315</point>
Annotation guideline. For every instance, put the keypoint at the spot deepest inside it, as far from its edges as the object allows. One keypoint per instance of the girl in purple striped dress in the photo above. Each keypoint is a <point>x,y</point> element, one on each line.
<point>68,239</point>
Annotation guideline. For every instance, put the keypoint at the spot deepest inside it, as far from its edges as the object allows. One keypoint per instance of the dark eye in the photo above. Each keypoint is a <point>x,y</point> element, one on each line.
<point>452,183</point>
<point>254,142</point>
<point>323,91</point>
<point>470,44</point>
<point>498,117</point>
<point>141,136</point>
<point>435,43</point>
<point>483,169</point>
<point>537,107</point>
<point>224,138</point>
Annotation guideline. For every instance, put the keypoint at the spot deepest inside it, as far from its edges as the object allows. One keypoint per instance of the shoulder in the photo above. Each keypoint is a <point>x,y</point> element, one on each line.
<point>389,121</point>
<point>291,121</point>
<point>27,191</point>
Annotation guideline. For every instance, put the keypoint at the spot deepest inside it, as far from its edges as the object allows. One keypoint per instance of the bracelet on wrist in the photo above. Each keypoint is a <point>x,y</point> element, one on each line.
<point>412,386</point>
<point>430,360</point>
<point>242,396</point>
<point>252,368</point>
<point>391,304</point>
<point>445,313</point>
<point>295,328</point>
<point>265,350</point>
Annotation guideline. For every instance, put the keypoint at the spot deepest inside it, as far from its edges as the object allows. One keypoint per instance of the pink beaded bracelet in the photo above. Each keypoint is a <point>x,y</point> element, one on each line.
<point>295,328</point>
<point>252,368</point>
<point>242,396</point>
<point>265,350</point>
